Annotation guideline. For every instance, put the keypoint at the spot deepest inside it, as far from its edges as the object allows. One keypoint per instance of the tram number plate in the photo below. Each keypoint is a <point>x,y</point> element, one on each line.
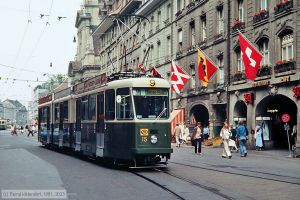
<point>144,139</point>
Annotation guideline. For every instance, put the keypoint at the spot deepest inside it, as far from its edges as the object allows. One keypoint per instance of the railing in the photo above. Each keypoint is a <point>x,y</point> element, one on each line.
<point>239,76</point>
<point>190,5</point>
<point>283,6</point>
<point>262,15</point>
<point>178,54</point>
<point>264,71</point>
<point>284,66</point>
<point>238,25</point>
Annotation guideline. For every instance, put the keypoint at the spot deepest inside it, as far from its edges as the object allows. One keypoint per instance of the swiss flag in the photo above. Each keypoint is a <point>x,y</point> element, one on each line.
<point>178,78</point>
<point>155,73</point>
<point>251,57</point>
<point>141,67</point>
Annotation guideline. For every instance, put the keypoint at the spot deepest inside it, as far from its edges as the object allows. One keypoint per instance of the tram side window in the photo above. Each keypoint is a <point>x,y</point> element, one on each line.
<point>56,113</point>
<point>110,105</point>
<point>124,108</point>
<point>92,107</point>
<point>84,108</point>
<point>64,111</point>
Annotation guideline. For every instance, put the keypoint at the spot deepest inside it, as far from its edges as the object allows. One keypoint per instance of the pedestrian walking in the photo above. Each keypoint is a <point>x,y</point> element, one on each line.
<point>22,129</point>
<point>294,138</point>
<point>186,133</point>
<point>205,132</point>
<point>177,133</point>
<point>197,138</point>
<point>14,130</point>
<point>232,139</point>
<point>225,134</point>
<point>242,138</point>
<point>258,138</point>
<point>30,131</point>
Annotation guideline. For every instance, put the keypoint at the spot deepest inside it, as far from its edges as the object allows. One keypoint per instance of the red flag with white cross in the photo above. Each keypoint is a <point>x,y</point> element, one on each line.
<point>178,78</point>
<point>251,57</point>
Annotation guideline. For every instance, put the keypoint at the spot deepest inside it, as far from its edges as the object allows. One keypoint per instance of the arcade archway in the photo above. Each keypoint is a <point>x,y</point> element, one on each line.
<point>268,112</point>
<point>199,113</point>
<point>239,112</point>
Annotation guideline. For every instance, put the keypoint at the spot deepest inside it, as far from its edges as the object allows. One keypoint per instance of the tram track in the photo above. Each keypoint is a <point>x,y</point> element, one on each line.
<point>246,175</point>
<point>215,191</point>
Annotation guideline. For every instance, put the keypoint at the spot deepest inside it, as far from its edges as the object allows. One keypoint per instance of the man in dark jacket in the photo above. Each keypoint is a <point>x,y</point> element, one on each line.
<point>242,137</point>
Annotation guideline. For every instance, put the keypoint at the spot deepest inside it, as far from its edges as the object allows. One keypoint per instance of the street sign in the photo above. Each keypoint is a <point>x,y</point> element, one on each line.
<point>285,117</point>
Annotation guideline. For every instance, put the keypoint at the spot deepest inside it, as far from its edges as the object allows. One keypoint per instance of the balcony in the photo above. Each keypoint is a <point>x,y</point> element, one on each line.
<point>284,66</point>
<point>239,76</point>
<point>179,12</point>
<point>238,25</point>
<point>190,5</point>
<point>283,6</point>
<point>178,54</point>
<point>260,16</point>
<point>264,70</point>
<point>191,48</point>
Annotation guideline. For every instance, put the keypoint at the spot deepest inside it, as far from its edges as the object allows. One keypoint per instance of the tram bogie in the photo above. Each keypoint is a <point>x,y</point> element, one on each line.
<point>125,121</point>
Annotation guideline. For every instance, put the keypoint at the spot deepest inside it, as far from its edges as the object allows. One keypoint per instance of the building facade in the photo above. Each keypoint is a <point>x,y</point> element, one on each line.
<point>272,27</point>
<point>174,30</point>
<point>15,112</point>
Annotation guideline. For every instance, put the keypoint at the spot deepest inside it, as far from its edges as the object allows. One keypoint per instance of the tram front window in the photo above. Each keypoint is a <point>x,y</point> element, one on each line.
<point>151,103</point>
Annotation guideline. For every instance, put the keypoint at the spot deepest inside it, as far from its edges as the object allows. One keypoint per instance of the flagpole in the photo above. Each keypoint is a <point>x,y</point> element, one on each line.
<point>249,42</point>
<point>208,58</point>
<point>181,69</point>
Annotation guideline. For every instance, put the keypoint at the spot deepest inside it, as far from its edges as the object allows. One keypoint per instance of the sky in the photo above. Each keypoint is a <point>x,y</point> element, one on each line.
<point>29,43</point>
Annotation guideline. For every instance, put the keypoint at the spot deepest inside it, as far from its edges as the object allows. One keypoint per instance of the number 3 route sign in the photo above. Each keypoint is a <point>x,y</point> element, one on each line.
<point>285,118</point>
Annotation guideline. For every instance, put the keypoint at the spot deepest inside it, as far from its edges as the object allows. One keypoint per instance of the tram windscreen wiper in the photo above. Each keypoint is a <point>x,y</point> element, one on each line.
<point>161,113</point>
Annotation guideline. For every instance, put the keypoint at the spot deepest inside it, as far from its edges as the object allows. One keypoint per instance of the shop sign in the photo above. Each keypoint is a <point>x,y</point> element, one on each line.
<point>285,117</point>
<point>260,83</point>
<point>249,97</point>
<point>285,79</point>
<point>296,91</point>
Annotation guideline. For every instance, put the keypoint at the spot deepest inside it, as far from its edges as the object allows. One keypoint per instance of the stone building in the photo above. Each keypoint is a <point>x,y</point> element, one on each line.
<point>14,111</point>
<point>175,29</point>
<point>272,26</point>
<point>86,63</point>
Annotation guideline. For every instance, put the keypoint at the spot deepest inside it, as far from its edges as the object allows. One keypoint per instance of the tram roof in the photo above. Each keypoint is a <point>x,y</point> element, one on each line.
<point>139,82</point>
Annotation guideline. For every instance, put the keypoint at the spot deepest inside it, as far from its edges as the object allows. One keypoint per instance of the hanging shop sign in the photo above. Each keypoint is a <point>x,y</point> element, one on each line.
<point>296,91</point>
<point>249,97</point>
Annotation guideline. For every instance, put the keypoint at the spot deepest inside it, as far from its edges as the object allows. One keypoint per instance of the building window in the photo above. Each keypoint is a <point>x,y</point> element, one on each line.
<point>264,49</point>
<point>287,52</point>
<point>179,40</point>
<point>220,20</point>
<point>180,4</point>
<point>240,63</point>
<point>192,33</point>
<point>169,11</point>
<point>193,79</point>
<point>158,51</point>
<point>241,10</point>
<point>168,45</point>
<point>158,17</point>
<point>220,77</point>
<point>203,21</point>
<point>263,4</point>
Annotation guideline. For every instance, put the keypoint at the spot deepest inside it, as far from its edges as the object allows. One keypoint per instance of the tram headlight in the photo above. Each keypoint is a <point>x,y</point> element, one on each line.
<point>153,139</point>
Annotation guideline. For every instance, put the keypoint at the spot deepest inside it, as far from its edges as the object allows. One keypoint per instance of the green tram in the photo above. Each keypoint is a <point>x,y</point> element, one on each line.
<point>125,121</point>
<point>3,124</point>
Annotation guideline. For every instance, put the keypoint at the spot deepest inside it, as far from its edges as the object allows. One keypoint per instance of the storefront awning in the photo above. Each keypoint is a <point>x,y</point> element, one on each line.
<point>177,116</point>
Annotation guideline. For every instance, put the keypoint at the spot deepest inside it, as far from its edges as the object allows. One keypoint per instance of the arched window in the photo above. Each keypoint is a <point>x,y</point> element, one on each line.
<point>287,50</point>
<point>264,49</point>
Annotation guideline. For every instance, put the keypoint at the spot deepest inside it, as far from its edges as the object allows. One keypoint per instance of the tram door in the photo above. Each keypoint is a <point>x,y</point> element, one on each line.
<point>100,125</point>
<point>78,125</point>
